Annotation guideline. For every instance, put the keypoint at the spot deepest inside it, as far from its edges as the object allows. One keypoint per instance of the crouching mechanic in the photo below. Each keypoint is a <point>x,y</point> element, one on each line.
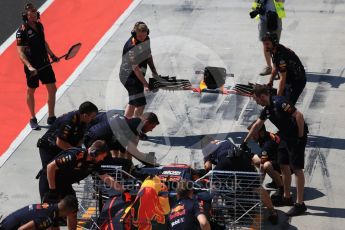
<point>122,134</point>
<point>39,216</point>
<point>187,213</point>
<point>72,166</point>
<point>227,157</point>
<point>66,132</point>
<point>266,160</point>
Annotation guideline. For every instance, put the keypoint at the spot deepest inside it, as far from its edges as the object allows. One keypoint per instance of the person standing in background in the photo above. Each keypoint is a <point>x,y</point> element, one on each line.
<point>270,14</point>
<point>33,51</point>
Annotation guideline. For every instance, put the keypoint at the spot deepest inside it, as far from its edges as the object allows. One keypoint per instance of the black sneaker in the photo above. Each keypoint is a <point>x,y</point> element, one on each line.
<point>278,193</point>
<point>297,209</point>
<point>271,185</point>
<point>34,125</point>
<point>273,217</point>
<point>51,120</point>
<point>282,201</point>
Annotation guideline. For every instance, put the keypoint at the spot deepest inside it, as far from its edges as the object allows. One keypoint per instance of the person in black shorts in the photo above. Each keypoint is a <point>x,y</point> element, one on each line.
<point>293,134</point>
<point>33,51</point>
<point>71,166</point>
<point>122,136</point>
<point>136,56</point>
<point>40,216</point>
<point>288,65</point>
<point>66,132</point>
<point>188,213</point>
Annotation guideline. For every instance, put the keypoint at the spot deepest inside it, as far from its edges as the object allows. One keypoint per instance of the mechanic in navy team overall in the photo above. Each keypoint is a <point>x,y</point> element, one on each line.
<point>228,157</point>
<point>122,136</point>
<point>33,51</point>
<point>66,132</point>
<point>288,65</point>
<point>40,216</point>
<point>188,213</point>
<point>293,134</point>
<point>266,160</point>
<point>71,166</point>
<point>136,56</point>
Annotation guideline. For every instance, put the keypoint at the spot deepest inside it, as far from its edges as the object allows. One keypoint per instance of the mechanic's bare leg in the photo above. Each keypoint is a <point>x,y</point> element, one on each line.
<point>267,58</point>
<point>268,168</point>
<point>30,100</point>
<point>139,111</point>
<point>265,198</point>
<point>256,161</point>
<point>72,221</point>
<point>51,88</point>
<point>299,177</point>
<point>286,174</point>
<point>129,111</point>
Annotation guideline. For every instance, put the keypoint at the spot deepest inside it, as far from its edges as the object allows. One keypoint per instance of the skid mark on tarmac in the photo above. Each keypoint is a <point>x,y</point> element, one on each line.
<point>317,157</point>
<point>3,197</point>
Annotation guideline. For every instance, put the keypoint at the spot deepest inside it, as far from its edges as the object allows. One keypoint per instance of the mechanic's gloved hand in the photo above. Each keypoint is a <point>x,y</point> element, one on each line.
<point>51,196</point>
<point>244,147</point>
<point>270,85</point>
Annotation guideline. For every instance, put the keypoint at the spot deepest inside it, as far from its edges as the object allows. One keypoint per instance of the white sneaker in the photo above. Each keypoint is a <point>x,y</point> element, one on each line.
<point>266,71</point>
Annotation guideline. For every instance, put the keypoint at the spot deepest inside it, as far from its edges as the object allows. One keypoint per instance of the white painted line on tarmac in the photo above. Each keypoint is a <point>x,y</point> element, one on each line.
<point>41,113</point>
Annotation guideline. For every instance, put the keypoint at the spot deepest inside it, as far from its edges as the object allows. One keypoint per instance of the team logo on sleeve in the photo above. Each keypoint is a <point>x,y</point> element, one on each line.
<point>282,65</point>
<point>286,107</point>
<point>45,205</point>
<point>65,159</point>
<point>177,211</point>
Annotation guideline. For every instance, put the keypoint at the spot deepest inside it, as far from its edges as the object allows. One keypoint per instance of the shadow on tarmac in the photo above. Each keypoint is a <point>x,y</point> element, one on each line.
<point>284,223</point>
<point>334,81</point>
<point>193,141</point>
<point>309,193</point>
<point>327,212</point>
<point>326,142</point>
